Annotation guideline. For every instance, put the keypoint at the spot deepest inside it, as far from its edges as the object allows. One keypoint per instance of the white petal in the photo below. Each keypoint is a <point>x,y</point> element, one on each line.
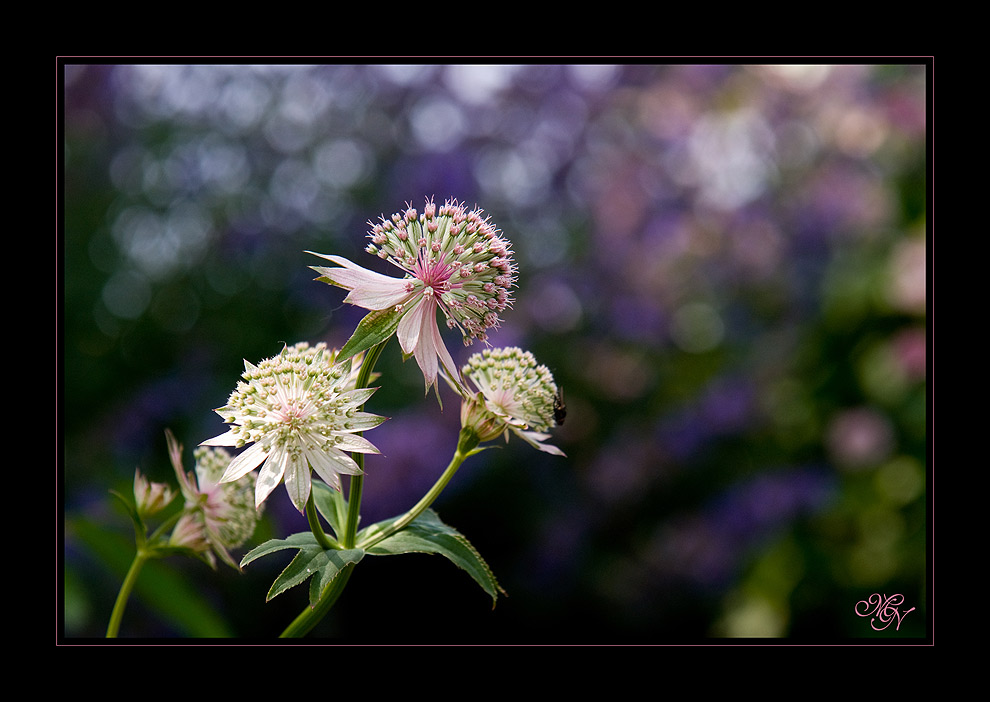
<point>342,463</point>
<point>297,482</point>
<point>355,443</point>
<point>244,463</point>
<point>331,463</point>
<point>534,438</point>
<point>331,479</point>
<point>353,398</point>
<point>362,421</point>
<point>228,438</point>
<point>270,475</point>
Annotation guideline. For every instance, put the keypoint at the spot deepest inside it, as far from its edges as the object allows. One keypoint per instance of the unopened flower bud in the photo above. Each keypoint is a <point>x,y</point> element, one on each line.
<point>150,497</point>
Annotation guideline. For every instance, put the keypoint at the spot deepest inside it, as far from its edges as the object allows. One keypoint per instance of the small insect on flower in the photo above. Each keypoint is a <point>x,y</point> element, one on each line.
<point>559,408</point>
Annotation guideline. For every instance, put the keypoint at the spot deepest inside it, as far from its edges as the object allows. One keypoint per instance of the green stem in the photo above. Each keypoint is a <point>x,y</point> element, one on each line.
<point>356,486</point>
<point>314,524</point>
<point>353,505</point>
<point>465,446</point>
<point>125,592</point>
<point>310,617</point>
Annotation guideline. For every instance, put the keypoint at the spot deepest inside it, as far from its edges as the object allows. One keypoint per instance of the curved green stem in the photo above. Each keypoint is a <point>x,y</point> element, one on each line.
<point>125,592</point>
<point>310,617</point>
<point>314,525</point>
<point>464,449</point>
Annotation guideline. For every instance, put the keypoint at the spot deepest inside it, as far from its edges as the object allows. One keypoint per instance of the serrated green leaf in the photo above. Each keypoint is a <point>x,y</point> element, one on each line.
<point>336,565</point>
<point>427,534</point>
<point>376,327</point>
<point>303,539</point>
<point>314,561</point>
<point>332,505</point>
<point>300,569</point>
<point>311,559</point>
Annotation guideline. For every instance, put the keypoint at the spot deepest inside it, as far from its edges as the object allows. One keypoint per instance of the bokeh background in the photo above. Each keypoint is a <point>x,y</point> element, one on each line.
<point>723,265</point>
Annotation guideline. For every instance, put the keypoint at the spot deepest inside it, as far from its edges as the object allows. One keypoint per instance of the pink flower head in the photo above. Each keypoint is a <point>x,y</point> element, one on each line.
<point>216,516</point>
<point>454,261</point>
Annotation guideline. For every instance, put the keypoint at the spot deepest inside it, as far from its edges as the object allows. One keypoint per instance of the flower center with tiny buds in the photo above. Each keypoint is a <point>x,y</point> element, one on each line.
<point>302,412</point>
<point>291,394</point>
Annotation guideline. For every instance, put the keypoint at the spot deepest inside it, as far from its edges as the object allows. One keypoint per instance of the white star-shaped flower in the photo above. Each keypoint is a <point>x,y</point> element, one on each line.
<point>298,411</point>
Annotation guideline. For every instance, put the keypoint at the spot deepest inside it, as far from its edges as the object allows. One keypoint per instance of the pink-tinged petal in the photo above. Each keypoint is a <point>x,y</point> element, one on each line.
<point>411,324</point>
<point>341,261</point>
<point>426,348</point>
<point>430,348</point>
<point>270,475</point>
<point>175,455</point>
<point>379,297</point>
<point>244,463</point>
<point>445,359</point>
<point>368,289</point>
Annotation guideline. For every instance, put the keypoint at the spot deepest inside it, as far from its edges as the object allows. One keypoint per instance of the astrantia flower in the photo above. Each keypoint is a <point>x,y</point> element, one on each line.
<point>150,498</point>
<point>454,261</point>
<point>216,516</point>
<point>298,410</point>
<point>513,393</point>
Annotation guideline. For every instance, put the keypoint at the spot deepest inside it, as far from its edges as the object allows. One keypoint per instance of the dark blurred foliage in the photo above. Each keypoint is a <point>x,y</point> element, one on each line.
<point>724,266</point>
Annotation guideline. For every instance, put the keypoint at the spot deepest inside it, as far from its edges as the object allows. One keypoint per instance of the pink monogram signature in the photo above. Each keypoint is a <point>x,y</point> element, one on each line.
<point>883,609</point>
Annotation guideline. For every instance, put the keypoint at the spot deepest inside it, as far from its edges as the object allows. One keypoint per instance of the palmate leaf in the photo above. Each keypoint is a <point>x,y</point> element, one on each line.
<point>311,560</point>
<point>427,534</point>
